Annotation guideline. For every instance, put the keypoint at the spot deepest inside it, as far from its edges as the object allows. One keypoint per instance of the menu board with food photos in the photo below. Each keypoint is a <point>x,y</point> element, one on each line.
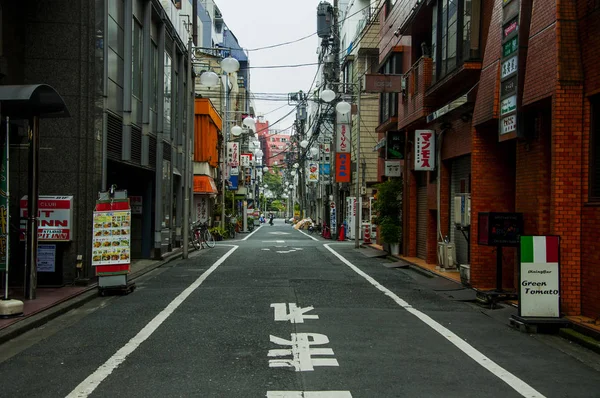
<point>111,242</point>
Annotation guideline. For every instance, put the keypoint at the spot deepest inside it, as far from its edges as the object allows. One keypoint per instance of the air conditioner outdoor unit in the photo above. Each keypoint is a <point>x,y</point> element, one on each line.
<point>462,210</point>
<point>446,255</point>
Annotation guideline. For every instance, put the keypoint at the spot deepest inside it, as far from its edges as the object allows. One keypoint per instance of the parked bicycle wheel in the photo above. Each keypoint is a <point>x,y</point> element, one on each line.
<point>195,238</point>
<point>209,239</point>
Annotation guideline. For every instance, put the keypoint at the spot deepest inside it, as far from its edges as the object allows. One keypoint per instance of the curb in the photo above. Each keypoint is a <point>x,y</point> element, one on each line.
<point>50,313</point>
<point>581,339</point>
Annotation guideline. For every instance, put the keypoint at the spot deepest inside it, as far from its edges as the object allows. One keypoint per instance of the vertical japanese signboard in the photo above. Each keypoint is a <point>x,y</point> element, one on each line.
<point>539,284</point>
<point>313,172</point>
<point>342,143</point>
<point>342,167</point>
<point>509,70</point>
<point>424,150</point>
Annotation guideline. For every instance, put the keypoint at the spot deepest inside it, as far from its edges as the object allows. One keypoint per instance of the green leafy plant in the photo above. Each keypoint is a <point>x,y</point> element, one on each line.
<point>388,207</point>
<point>217,232</point>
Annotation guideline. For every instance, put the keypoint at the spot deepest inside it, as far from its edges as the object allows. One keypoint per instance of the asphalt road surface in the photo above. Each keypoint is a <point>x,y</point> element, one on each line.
<point>281,314</point>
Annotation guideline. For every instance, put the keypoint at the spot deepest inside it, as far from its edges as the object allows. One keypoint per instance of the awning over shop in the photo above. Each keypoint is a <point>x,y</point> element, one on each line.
<point>204,185</point>
<point>23,102</point>
<point>468,98</point>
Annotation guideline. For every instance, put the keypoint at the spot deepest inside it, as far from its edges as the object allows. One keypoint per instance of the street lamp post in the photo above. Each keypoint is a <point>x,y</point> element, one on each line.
<point>343,108</point>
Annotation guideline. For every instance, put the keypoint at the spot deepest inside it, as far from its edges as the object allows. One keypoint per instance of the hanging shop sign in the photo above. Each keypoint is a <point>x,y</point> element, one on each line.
<point>539,280</point>
<point>395,145</point>
<point>111,237</point>
<point>393,168</point>
<point>332,216</point>
<point>508,124</point>
<point>424,150</point>
<point>325,169</point>
<point>342,140</point>
<point>55,218</point>
<point>383,83</point>
<point>509,104</point>
<point>342,167</point>
<point>245,160</point>
<point>313,172</point>
<point>233,154</point>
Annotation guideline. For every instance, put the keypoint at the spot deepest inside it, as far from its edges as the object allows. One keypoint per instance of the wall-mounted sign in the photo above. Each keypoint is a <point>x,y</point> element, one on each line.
<point>379,83</point>
<point>510,46</point>
<point>508,86</point>
<point>233,154</point>
<point>342,167</point>
<point>245,160</point>
<point>509,66</point>
<point>46,259</point>
<point>508,124</point>
<point>424,150</point>
<point>508,105</point>
<point>539,280</point>
<point>324,169</point>
<point>393,168</point>
<point>55,218</point>
<point>510,28</point>
<point>135,202</point>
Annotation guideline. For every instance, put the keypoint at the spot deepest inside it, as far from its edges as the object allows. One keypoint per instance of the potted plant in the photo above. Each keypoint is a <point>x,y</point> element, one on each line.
<point>390,232</point>
<point>217,232</point>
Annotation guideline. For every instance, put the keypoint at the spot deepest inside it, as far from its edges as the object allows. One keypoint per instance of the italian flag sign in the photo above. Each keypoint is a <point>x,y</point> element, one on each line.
<point>539,277</point>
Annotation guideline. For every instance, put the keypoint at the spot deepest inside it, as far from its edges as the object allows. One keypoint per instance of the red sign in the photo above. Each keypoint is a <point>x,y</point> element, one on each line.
<point>55,218</point>
<point>342,167</point>
<point>424,150</point>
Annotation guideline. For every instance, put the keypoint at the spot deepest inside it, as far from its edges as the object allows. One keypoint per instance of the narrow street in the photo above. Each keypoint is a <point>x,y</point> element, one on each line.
<point>280,313</point>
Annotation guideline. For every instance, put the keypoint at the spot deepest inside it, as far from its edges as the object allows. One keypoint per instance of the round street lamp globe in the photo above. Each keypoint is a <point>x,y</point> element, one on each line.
<point>314,151</point>
<point>259,153</point>
<point>236,131</point>
<point>249,122</point>
<point>327,95</point>
<point>343,107</point>
<point>230,65</point>
<point>265,169</point>
<point>209,79</point>
<point>303,143</point>
<point>296,165</point>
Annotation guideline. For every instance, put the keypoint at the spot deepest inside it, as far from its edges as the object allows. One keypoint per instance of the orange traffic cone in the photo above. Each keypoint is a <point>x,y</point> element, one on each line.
<point>367,236</point>
<point>342,234</point>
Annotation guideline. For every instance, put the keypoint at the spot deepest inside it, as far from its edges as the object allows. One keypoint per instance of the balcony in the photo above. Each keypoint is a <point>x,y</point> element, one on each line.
<point>415,105</point>
<point>370,38</point>
<point>454,84</point>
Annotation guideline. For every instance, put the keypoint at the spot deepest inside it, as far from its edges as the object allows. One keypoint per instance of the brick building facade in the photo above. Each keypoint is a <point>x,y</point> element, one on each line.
<point>550,173</point>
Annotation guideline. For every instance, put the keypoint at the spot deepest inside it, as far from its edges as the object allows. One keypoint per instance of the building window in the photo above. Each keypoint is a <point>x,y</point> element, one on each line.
<point>595,149</point>
<point>454,34</point>
<point>167,95</point>
<point>136,59</point>
<point>388,102</point>
<point>154,76</point>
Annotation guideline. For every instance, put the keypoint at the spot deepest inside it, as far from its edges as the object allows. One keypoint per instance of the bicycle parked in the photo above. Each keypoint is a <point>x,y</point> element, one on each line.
<point>201,236</point>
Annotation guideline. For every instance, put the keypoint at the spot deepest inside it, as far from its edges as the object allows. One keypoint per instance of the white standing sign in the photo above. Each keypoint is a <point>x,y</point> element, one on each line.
<point>424,150</point>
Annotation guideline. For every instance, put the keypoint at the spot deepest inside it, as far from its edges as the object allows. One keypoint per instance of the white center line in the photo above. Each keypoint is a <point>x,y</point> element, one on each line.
<point>513,381</point>
<point>86,387</point>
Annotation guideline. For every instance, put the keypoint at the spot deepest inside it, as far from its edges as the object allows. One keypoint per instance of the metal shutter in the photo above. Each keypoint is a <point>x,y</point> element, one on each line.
<point>136,145</point>
<point>461,168</point>
<point>422,222</point>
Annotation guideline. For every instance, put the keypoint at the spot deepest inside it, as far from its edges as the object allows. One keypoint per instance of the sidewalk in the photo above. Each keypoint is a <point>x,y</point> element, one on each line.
<point>52,302</point>
<point>585,331</point>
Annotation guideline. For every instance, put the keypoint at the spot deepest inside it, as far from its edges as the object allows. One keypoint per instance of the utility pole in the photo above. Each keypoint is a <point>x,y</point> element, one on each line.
<point>335,49</point>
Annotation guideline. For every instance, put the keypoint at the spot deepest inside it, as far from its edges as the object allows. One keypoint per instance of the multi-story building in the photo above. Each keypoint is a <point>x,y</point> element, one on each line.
<point>509,89</point>
<point>122,69</point>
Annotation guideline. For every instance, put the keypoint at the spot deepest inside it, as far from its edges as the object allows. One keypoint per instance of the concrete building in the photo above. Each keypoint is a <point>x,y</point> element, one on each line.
<point>121,68</point>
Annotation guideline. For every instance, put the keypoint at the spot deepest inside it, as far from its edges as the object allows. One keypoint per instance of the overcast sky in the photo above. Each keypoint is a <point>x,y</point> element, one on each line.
<point>261,23</point>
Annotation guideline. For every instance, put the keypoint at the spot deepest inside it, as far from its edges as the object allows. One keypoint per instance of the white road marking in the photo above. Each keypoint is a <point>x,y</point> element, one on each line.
<point>280,233</point>
<point>301,354</point>
<point>251,233</point>
<point>86,387</point>
<point>513,381</point>
<point>273,241</point>
<point>309,394</point>
<point>295,313</point>
<point>309,235</point>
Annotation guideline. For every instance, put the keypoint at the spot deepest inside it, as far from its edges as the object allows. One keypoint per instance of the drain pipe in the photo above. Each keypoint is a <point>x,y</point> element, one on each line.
<point>439,183</point>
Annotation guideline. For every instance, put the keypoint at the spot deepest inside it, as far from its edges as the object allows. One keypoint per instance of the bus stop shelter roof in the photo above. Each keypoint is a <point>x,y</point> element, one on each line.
<point>26,101</point>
